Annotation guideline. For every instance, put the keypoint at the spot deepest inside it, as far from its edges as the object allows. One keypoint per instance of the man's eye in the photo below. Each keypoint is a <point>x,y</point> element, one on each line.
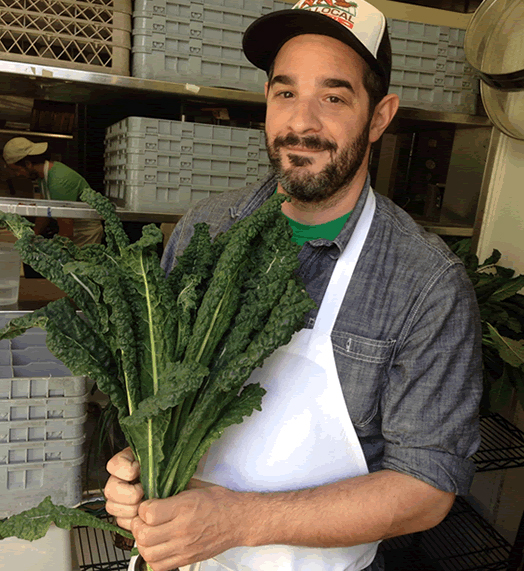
<point>334,99</point>
<point>285,94</point>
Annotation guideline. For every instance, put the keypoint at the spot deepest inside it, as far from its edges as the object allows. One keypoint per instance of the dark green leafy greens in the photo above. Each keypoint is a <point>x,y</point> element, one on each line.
<point>173,354</point>
<point>502,315</point>
<point>34,523</point>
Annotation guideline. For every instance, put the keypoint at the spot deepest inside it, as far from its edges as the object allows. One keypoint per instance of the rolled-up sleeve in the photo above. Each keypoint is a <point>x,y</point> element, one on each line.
<point>430,408</point>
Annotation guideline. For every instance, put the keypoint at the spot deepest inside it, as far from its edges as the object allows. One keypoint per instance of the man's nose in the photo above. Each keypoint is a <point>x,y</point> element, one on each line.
<point>305,117</point>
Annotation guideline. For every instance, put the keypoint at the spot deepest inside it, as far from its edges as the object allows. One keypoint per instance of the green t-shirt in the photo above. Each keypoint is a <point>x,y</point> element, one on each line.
<point>63,183</point>
<point>302,233</point>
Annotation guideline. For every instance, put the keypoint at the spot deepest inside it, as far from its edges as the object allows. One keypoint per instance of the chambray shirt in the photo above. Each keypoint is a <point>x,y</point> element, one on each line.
<point>407,339</point>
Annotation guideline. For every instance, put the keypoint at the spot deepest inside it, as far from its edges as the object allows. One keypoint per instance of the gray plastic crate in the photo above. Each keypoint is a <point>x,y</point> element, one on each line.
<point>41,430</point>
<point>24,486</point>
<point>429,68</point>
<point>22,452</point>
<point>46,387</point>
<point>42,408</point>
<point>155,164</point>
<point>27,354</point>
<point>195,41</point>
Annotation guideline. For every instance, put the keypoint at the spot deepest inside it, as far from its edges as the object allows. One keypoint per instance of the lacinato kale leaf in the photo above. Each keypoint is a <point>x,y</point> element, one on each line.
<point>33,524</point>
<point>172,353</point>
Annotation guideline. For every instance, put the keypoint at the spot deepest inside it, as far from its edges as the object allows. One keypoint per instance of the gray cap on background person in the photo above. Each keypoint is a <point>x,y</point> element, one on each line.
<point>19,148</point>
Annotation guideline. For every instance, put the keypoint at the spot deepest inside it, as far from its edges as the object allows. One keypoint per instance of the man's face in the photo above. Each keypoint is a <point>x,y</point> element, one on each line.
<point>25,171</point>
<point>317,122</point>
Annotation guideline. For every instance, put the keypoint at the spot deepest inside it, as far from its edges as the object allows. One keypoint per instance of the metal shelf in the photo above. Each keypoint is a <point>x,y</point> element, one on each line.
<point>96,550</point>
<point>502,445</point>
<point>65,209</point>
<point>76,86</point>
<point>464,541</point>
<point>35,134</point>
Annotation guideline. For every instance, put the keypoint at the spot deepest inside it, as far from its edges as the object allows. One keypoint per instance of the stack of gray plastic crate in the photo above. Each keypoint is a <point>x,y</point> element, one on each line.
<point>42,415</point>
<point>192,41</point>
<point>155,164</point>
<point>90,35</point>
<point>430,70</point>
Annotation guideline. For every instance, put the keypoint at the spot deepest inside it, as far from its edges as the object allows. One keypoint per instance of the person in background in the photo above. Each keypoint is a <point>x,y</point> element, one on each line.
<point>56,181</point>
<point>371,411</point>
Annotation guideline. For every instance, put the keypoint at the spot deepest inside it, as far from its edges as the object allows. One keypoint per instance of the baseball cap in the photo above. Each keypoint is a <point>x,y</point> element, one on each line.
<point>19,148</point>
<point>356,23</point>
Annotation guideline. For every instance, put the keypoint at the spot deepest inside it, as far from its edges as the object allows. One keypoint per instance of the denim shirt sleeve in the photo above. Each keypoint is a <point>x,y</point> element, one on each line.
<point>430,406</point>
<point>408,350</point>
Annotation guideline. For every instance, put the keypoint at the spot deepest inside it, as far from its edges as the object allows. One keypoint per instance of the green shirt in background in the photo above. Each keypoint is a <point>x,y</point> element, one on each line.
<point>63,183</point>
<point>302,233</point>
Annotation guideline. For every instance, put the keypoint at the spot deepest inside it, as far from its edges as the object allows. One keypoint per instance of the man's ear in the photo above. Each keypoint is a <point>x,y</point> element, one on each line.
<point>382,116</point>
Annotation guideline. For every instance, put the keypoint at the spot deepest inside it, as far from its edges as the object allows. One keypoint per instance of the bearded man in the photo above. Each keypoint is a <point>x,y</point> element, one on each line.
<point>371,411</point>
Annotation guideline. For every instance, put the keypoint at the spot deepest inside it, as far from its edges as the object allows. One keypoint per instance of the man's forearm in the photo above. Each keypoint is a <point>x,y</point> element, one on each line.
<point>350,512</point>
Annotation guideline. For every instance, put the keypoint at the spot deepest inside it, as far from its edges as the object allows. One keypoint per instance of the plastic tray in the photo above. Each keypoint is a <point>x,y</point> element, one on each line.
<point>180,41</point>
<point>41,430</point>
<point>27,355</point>
<point>53,552</point>
<point>24,486</point>
<point>154,164</point>
<point>43,387</point>
<point>42,408</point>
<point>41,451</point>
<point>429,68</point>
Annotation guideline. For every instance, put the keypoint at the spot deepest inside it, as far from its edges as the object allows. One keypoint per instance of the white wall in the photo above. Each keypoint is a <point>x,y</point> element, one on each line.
<point>503,220</point>
<point>501,494</point>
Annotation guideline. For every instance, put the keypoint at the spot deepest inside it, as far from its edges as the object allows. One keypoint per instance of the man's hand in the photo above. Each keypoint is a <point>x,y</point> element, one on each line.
<point>123,493</point>
<point>192,526</point>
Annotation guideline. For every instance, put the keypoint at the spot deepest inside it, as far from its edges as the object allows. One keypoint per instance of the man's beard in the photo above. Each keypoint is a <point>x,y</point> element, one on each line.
<point>314,188</point>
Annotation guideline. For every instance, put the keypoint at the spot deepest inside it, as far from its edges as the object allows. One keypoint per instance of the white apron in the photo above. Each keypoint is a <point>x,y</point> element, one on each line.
<point>303,437</point>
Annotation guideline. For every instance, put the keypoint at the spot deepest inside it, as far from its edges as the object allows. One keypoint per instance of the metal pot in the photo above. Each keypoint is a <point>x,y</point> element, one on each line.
<point>494,47</point>
<point>494,44</point>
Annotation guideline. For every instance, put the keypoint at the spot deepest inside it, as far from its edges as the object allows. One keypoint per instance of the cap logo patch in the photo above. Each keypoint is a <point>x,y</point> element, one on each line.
<point>343,11</point>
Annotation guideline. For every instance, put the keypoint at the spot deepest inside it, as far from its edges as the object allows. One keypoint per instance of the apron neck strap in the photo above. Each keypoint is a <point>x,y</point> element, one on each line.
<point>341,276</point>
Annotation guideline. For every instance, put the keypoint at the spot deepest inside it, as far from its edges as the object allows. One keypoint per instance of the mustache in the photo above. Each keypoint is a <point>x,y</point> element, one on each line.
<point>310,142</point>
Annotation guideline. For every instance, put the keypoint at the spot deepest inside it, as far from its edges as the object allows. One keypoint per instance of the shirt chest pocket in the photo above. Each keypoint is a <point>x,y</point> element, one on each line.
<point>362,365</point>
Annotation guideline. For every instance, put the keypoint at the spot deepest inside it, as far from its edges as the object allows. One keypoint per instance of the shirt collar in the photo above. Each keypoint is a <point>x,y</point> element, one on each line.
<point>267,187</point>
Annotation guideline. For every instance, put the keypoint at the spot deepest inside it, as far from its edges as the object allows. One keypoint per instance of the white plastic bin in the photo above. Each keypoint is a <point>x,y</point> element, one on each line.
<point>49,553</point>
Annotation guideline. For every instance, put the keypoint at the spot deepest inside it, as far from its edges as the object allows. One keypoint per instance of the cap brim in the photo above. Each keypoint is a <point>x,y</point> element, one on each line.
<point>264,37</point>
<point>38,149</point>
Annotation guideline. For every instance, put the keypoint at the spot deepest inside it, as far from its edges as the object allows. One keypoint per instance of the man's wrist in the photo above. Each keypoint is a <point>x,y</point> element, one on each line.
<point>263,520</point>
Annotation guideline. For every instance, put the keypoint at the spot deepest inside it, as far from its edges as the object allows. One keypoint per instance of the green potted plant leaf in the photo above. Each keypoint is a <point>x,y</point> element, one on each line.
<point>502,314</point>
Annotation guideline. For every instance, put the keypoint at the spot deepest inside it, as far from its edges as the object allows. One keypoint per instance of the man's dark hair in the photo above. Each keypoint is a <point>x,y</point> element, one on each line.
<point>35,159</point>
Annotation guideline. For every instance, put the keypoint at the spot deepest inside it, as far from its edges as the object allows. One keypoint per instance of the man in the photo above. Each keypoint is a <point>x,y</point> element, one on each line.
<point>56,181</point>
<point>371,412</point>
